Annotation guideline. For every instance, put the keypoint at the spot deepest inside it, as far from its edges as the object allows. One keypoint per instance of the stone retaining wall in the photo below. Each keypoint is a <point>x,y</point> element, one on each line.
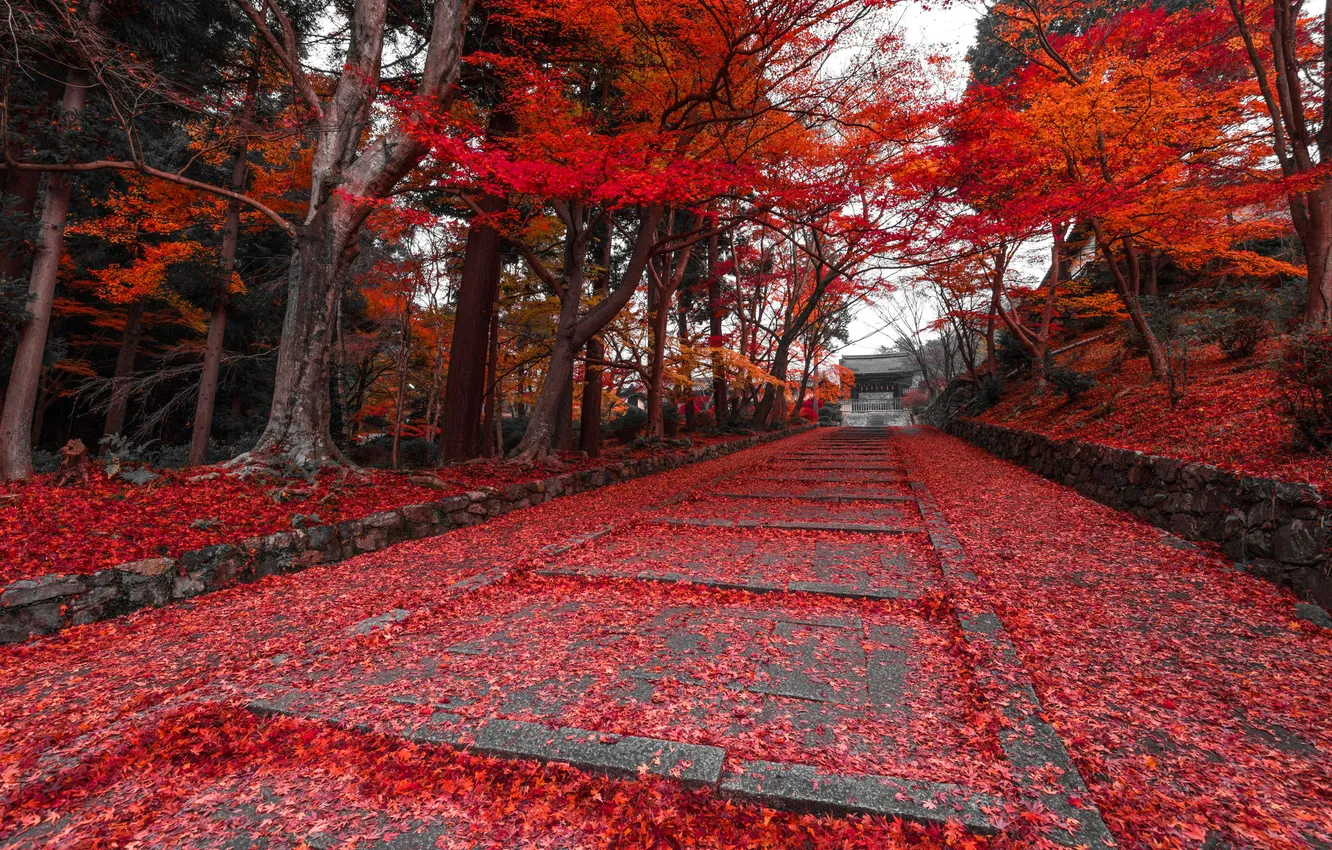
<point>49,603</point>
<point>1278,529</point>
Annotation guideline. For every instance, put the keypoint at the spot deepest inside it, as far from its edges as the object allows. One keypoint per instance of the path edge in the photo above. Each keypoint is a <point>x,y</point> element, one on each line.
<point>45,605</point>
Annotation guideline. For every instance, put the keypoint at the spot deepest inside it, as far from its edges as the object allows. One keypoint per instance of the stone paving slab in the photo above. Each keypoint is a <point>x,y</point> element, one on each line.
<point>861,528</point>
<point>786,785</point>
<point>828,477</point>
<point>1042,767</point>
<point>795,510</point>
<point>829,684</point>
<point>821,706</point>
<point>840,497</point>
<point>851,566</point>
<point>800,786</point>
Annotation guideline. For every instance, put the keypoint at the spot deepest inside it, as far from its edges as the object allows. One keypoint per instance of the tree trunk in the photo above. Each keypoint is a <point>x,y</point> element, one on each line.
<point>492,432</point>
<point>466,386</point>
<point>1128,284</point>
<point>682,322</point>
<point>715,313</point>
<point>563,437</point>
<point>26,372</point>
<point>991,365</point>
<point>571,332</point>
<point>767,402</point>
<point>348,176</point>
<point>1316,239</point>
<point>217,322</point>
<point>298,422</point>
<point>542,425</point>
<point>404,355</point>
<point>129,347</point>
<point>657,372</point>
<point>589,434</point>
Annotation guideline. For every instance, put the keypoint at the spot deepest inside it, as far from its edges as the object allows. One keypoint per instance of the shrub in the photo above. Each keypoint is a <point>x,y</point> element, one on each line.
<point>670,419</point>
<point>988,393</point>
<point>513,428</point>
<point>1070,382</point>
<point>1010,353</point>
<point>1306,383</point>
<point>1240,336</point>
<point>377,452</point>
<point>830,414</point>
<point>915,398</point>
<point>628,425</point>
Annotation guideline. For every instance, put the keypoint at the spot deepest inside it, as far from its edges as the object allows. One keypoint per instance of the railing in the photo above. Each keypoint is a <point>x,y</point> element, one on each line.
<point>876,406</point>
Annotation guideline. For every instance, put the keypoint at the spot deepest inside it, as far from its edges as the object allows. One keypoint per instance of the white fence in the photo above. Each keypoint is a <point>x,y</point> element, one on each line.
<point>880,405</point>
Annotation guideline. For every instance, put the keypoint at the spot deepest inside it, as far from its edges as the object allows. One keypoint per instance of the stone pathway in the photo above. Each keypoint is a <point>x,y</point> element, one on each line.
<point>799,626</point>
<point>792,645</point>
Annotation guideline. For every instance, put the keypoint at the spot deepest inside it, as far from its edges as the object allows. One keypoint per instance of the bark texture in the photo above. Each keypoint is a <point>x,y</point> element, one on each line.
<point>129,348</point>
<point>465,389</point>
<point>25,375</point>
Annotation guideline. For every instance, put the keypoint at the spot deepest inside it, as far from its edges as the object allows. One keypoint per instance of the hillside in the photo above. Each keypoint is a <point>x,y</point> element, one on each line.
<point>1231,415</point>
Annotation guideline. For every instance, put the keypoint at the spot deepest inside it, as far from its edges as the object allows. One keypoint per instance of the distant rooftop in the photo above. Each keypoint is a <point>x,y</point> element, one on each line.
<point>878,364</point>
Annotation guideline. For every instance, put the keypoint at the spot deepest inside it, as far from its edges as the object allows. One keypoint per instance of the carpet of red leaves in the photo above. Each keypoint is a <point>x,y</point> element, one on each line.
<point>1231,415</point>
<point>131,732</point>
<point>48,529</point>
<point>569,639</point>
<point>1193,702</point>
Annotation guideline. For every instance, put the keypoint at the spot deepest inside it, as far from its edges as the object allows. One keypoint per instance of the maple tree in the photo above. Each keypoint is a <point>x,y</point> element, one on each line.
<point>1291,70</point>
<point>1128,124</point>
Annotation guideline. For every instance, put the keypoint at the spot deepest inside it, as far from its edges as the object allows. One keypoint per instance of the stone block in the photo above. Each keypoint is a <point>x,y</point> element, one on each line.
<point>1313,614</point>
<point>802,788</point>
<point>624,755</point>
<point>1183,525</point>
<point>186,586</point>
<point>148,566</point>
<point>141,591</point>
<point>453,503</point>
<point>44,617</point>
<point>1299,542</point>
<point>321,537</point>
<point>31,591</point>
<point>514,492</point>
<point>418,515</point>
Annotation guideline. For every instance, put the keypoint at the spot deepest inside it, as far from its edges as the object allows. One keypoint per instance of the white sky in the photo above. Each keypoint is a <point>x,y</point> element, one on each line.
<point>947,29</point>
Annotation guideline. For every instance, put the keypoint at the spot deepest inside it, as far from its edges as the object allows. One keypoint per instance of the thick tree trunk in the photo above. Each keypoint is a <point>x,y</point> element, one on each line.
<point>767,402</point>
<point>715,314</point>
<point>298,422</point>
<point>466,386</point>
<point>542,425</point>
<point>25,374</point>
<point>348,176</point>
<point>563,437</point>
<point>1316,239</point>
<point>129,347</point>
